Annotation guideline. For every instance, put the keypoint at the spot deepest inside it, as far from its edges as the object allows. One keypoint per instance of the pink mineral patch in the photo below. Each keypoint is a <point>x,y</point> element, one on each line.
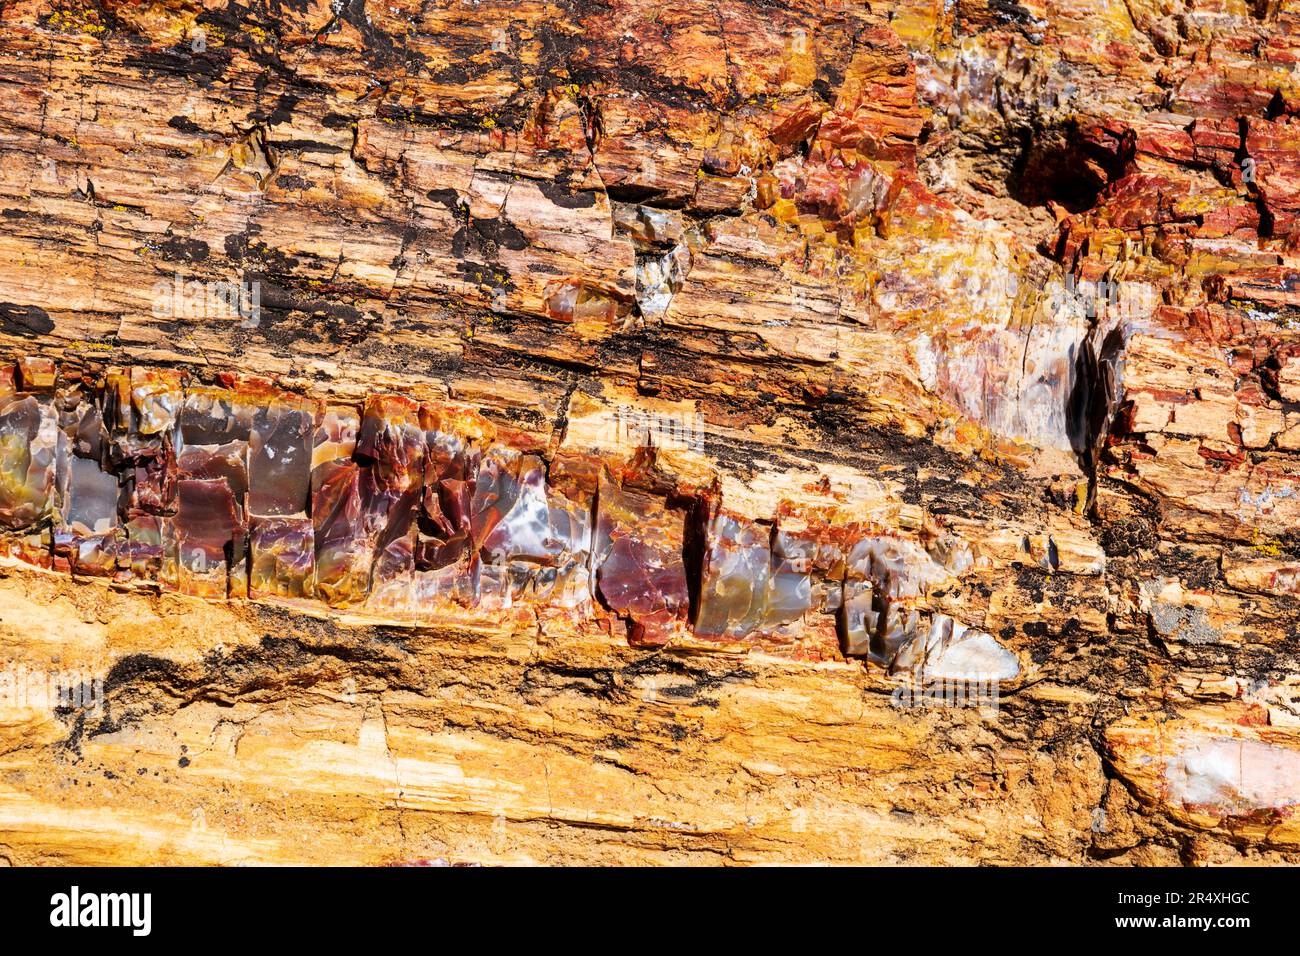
<point>1232,777</point>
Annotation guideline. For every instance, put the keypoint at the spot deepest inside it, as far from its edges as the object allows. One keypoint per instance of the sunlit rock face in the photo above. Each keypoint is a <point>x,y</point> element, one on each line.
<point>1031,271</point>
<point>424,514</point>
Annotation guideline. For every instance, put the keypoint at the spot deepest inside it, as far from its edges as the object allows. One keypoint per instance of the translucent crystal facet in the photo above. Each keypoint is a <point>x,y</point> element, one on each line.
<point>199,539</point>
<point>425,513</point>
<point>279,460</point>
<point>638,561</point>
<point>747,589</point>
<point>28,443</point>
<point>343,545</point>
<point>282,554</point>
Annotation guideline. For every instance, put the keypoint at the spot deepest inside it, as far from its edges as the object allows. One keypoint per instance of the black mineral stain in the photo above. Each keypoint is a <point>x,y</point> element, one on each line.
<point>560,193</point>
<point>179,249</point>
<point>447,197</point>
<point>184,125</point>
<point>283,111</point>
<point>25,320</point>
<point>242,247</point>
<point>142,668</point>
<point>502,232</point>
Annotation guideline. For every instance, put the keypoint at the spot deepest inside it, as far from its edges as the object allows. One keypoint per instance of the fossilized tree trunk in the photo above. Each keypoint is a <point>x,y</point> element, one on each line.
<point>569,432</point>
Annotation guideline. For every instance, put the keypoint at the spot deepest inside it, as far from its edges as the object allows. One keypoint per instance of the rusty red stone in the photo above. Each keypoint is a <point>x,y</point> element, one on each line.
<point>417,512</point>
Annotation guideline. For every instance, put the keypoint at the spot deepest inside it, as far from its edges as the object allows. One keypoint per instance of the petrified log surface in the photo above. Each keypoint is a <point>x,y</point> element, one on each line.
<point>635,398</point>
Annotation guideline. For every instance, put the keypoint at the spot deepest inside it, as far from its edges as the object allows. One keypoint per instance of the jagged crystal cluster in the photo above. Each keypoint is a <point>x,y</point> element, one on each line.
<point>420,513</point>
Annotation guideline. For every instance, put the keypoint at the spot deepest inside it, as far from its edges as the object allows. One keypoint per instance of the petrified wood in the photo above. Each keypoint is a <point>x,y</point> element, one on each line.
<point>588,432</point>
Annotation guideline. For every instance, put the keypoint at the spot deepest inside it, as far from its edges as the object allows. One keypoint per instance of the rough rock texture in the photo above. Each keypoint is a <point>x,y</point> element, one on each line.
<point>567,432</point>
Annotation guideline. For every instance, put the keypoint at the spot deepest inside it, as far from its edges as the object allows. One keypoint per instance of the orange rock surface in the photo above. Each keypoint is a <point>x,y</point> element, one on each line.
<point>901,341</point>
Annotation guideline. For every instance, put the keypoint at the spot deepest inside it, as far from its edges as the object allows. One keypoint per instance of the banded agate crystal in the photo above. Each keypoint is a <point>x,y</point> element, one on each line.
<point>424,514</point>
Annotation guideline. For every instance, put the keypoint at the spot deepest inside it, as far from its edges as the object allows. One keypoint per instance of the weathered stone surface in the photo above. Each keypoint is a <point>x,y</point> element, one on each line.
<point>554,432</point>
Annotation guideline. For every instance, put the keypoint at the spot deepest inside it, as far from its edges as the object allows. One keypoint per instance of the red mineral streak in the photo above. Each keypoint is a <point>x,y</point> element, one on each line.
<point>423,514</point>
